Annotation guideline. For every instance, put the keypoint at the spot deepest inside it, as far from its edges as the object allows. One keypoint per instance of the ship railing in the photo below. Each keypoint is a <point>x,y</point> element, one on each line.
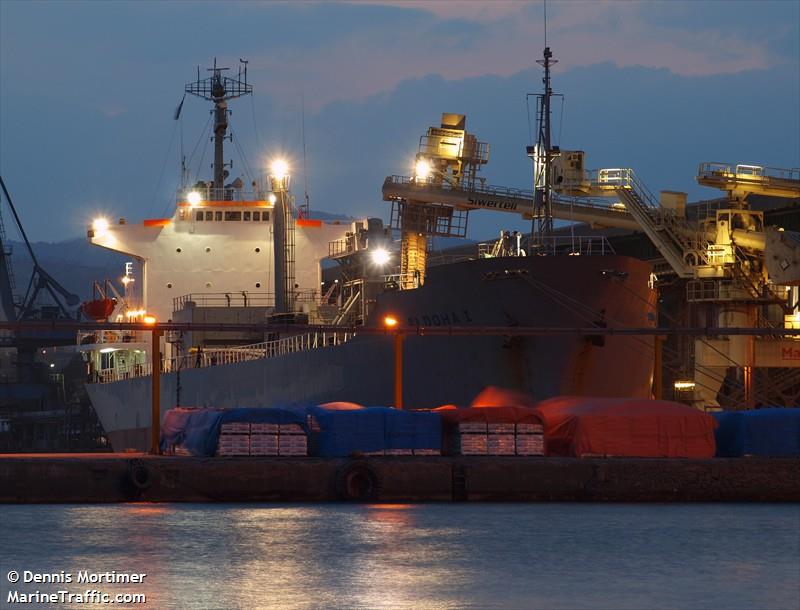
<point>120,373</point>
<point>742,171</point>
<point>224,299</point>
<point>578,245</point>
<point>110,336</point>
<point>221,194</point>
<point>393,281</point>
<point>480,188</point>
<point>227,355</point>
<point>239,299</point>
<point>437,259</point>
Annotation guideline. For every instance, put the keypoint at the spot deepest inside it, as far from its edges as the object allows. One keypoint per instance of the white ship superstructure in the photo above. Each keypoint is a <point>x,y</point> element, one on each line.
<point>216,245</point>
<point>225,244</point>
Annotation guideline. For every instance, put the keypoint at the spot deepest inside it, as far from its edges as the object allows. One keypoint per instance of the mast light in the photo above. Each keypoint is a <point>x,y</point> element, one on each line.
<point>280,169</point>
<point>194,198</point>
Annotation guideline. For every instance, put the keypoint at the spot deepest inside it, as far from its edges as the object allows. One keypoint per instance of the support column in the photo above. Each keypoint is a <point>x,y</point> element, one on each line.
<point>398,370</point>
<point>155,403</point>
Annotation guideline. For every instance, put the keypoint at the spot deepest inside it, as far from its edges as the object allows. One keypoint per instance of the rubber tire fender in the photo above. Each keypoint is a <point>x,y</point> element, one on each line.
<point>139,475</point>
<point>357,481</point>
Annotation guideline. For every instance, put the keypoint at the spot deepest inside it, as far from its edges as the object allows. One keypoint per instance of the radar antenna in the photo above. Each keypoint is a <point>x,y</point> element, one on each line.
<point>219,89</point>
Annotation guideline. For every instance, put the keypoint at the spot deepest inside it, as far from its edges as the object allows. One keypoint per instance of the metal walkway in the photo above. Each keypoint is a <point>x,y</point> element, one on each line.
<point>590,210</point>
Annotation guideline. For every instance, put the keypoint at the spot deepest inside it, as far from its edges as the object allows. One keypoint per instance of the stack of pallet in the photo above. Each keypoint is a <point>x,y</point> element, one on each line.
<point>530,439</point>
<point>481,438</point>
<point>234,439</point>
<point>292,440</point>
<point>472,438</point>
<point>262,439</point>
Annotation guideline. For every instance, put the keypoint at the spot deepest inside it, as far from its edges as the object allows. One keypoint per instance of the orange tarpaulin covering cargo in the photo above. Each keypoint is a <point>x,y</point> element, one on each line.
<point>625,427</point>
<point>493,396</point>
<point>491,415</point>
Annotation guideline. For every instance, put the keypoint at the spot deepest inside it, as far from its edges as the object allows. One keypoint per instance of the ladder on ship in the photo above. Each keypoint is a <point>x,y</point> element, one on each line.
<point>347,309</point>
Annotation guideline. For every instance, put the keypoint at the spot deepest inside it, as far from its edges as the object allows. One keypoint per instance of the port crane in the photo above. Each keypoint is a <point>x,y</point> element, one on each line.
<point>29,307</point>
<point>746,274</point>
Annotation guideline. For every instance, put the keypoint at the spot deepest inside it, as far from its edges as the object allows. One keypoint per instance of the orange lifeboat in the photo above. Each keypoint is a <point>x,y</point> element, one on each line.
<point>98,309</point>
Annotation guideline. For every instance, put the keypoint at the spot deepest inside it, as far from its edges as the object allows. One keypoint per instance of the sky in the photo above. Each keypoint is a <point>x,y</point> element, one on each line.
<point>88,91</point>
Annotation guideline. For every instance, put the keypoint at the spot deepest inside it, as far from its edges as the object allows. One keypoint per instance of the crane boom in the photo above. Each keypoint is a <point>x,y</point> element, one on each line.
<point>7,307</point>
<point>40,279</point>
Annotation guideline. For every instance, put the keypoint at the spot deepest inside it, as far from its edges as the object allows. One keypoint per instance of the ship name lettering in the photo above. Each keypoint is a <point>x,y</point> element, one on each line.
<point>440,319</point>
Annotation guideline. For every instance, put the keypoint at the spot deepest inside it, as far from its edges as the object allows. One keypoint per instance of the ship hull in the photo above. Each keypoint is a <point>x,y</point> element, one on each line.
<point>568,291</point>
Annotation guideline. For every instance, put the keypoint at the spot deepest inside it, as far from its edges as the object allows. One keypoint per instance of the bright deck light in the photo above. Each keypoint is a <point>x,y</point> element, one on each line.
<point>150,320</point>
<point>194,198</point>
<point>422,169</point>
<point>100,224</point>
<point>280,168</point>
<point>684,385</point>
<point>390,321</point>
<point>380,256</point>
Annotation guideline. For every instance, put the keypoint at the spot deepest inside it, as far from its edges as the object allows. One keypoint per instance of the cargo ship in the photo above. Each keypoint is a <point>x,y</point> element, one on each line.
<point>241,251</point>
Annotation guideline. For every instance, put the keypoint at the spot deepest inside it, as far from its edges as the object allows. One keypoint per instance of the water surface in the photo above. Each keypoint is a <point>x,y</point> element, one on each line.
<point>570,556</point>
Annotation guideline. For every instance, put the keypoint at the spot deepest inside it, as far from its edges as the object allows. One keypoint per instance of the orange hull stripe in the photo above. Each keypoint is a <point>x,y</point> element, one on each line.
<point>156,222</point>
<point>308,222</point>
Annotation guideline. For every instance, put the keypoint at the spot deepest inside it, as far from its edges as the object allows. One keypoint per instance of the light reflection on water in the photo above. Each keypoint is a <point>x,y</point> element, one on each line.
<point>205,556</point>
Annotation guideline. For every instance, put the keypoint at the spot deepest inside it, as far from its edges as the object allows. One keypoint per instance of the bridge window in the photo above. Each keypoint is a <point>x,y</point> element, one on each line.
<point>256,215</point>
<point>233,215</point>
<point>209,215</point>
<point>217,215</point>
<point>198,215</point>
<point>245,215</point>
<point>265,216</point>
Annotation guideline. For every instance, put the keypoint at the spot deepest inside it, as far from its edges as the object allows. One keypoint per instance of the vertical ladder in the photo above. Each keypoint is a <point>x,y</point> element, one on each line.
<point>413,254</point>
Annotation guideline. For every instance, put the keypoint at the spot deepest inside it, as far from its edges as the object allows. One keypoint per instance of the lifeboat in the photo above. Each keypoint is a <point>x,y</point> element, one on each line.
<point>98,309</point>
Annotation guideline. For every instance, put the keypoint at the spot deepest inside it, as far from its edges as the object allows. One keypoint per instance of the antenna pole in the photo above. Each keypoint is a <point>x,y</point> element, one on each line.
<point>306,207</point>
<point>543,157</point>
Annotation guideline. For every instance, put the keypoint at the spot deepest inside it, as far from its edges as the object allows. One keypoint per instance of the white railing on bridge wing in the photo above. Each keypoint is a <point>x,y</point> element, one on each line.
<point>228,355</point>
<point>228,193</point>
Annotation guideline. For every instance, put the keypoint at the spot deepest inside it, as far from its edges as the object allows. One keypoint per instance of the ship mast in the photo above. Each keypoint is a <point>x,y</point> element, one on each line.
<point>219,89</point>
<point>543,155</point>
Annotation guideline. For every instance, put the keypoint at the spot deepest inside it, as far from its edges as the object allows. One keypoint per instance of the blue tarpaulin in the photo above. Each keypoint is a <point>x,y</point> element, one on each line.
<point>763,432</point>
<point>197,430</point>
<point>343,433</point>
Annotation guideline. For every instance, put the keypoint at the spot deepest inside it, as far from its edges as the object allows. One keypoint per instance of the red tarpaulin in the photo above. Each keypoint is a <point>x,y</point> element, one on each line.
<point>492,415</point>
<point>492,396</point>
<point>625,427</point>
